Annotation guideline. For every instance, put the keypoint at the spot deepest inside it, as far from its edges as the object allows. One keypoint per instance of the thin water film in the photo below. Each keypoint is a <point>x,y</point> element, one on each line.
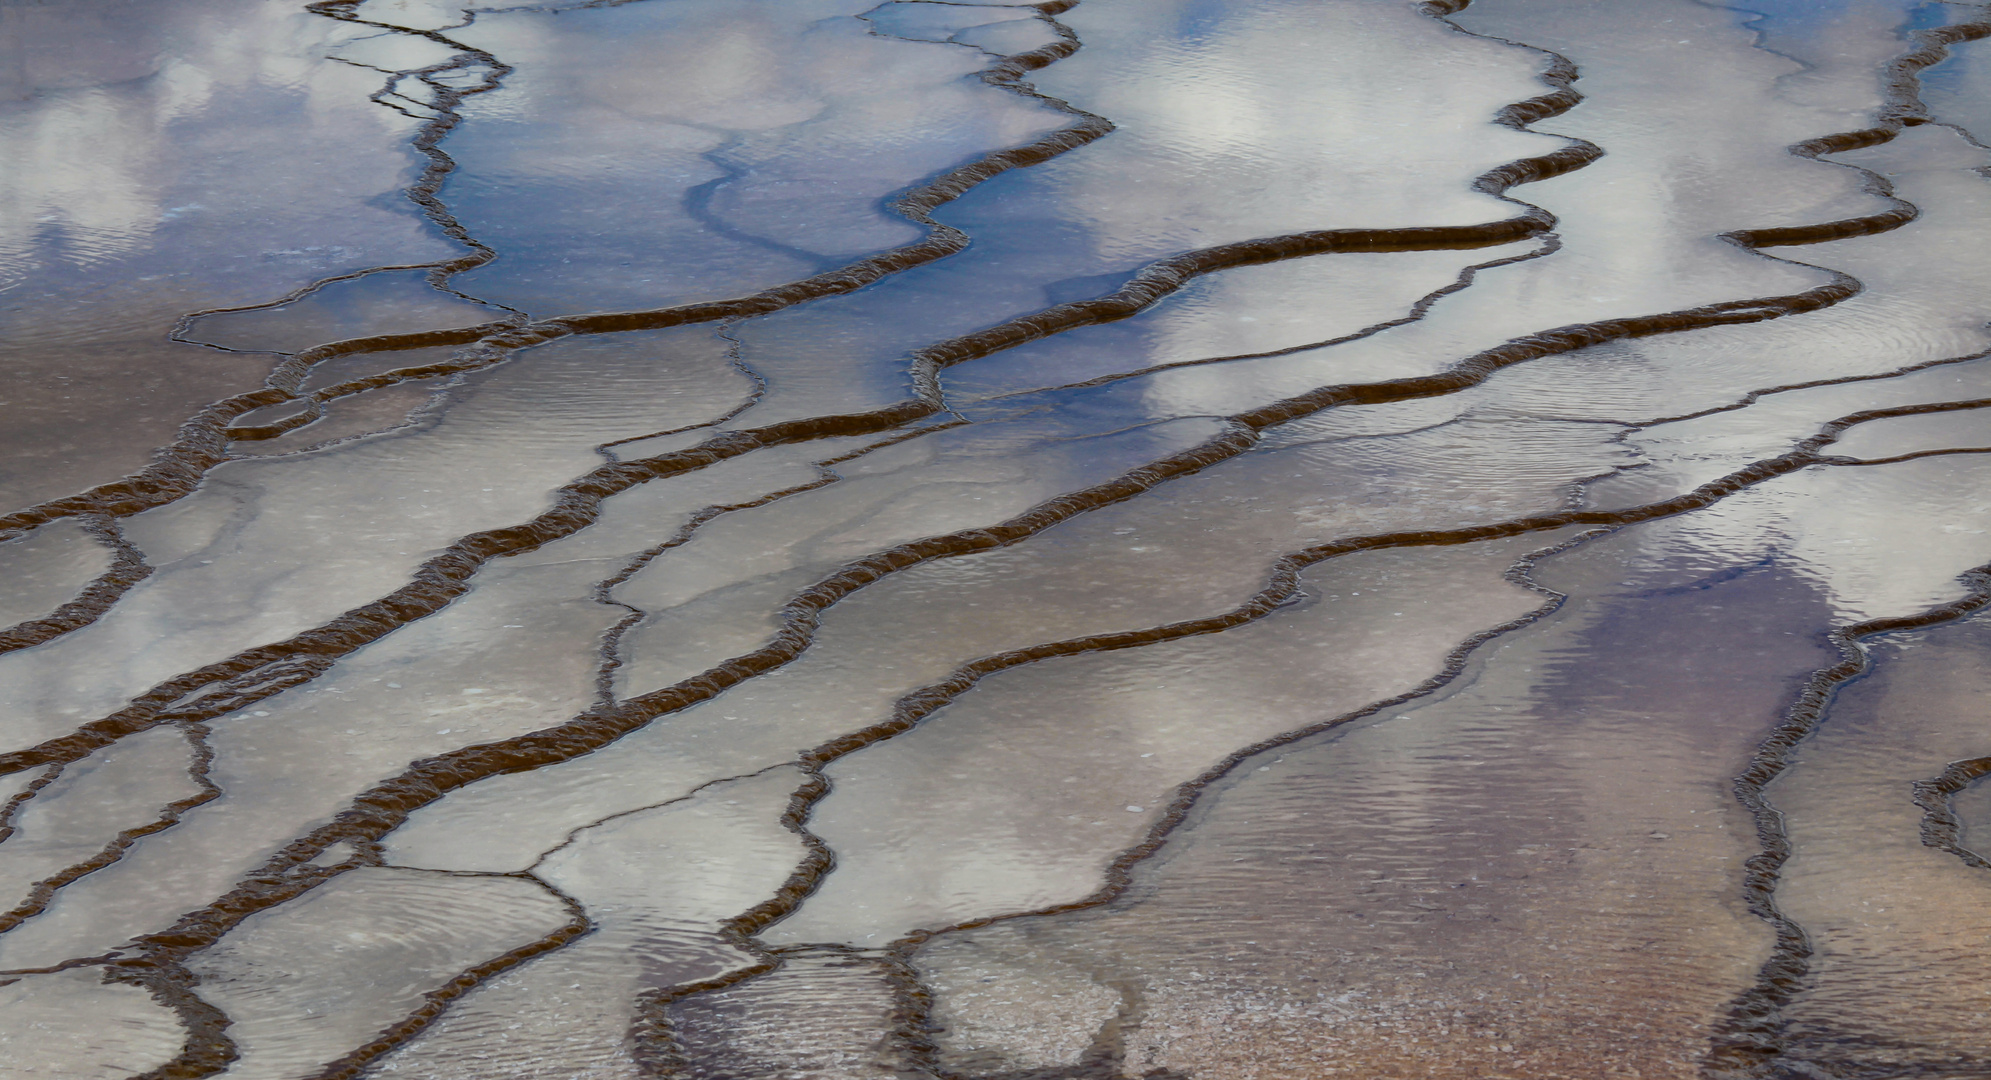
<point>827,539</point>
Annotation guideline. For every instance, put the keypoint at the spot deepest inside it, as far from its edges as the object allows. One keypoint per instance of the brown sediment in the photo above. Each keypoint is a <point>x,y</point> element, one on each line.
<point>203,438</point>
<point>248,676</point>
<point>1563,339</point>
<point>652,1037</point>
<point>1551,244</point>
<point>436,1003</point>
<point>604,591</point>
<point>910,709</point>
<point>1942,452</point>
<point>441,579</point>
<point>1780,973</point>
<point>185,324</point>
<point>424,192</point>
<point>917,205</point>
<point>662,1036</point>
<point>355,1062</point>
<point>199,768</point>
<point>1940,827</point>
<point>1283,585</point>
<point>196,450</point>
<point>128,568</point>
<point>259,673</point>
<point>610,649</point>
<point>1103,1058</point>
<point>438,166</point>
<point>487,352</point>
<point>1161,278</point>
<point>172,989</point>
<point>1751,1036</point>
<point>262,672</point>
<point>21,798</point>
<point>1903,108</point>
<point>378,811</point>
<point>726,330</point>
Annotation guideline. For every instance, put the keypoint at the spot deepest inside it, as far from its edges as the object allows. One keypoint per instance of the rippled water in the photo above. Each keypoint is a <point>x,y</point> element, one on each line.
<point>1138,539</point>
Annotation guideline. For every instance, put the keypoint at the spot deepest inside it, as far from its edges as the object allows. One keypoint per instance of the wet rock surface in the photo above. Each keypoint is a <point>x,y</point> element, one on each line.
<point>988,541</point>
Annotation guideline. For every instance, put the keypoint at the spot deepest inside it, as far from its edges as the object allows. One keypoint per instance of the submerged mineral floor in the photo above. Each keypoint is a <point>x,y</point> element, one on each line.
<point>1476,573</point>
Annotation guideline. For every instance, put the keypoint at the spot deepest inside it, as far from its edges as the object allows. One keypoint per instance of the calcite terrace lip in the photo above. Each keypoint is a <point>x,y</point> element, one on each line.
<point>161,962</point>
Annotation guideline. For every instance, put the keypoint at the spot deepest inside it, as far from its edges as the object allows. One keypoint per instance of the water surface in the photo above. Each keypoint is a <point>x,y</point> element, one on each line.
<point>1168,539</point>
